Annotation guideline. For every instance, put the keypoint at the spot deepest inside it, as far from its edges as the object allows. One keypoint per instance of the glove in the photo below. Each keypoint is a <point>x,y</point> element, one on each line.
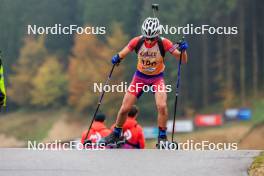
<point>183,46</point>
<point>116,59</point>
<point>2,99</point>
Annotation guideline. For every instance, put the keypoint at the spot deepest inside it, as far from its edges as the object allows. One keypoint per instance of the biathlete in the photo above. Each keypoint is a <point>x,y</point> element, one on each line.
<point>150,49</point>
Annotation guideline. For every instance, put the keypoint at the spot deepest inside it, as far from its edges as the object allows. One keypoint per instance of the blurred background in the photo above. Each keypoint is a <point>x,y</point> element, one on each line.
<point>49,78</point>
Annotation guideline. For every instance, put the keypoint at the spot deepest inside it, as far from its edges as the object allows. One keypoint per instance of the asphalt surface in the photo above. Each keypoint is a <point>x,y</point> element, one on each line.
<point>14,162</point>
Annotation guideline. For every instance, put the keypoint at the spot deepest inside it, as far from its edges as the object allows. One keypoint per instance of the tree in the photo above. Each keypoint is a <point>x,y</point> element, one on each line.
<point>49,84</point>
<point>242,53</point>
<point>227,91</point>
<point>205,70</point>
<point>104,13</point>
<point>117,39</point>
<point>254,50</point>
<point>32,54</point>
<point>16,15</point>
<point>89,64</point>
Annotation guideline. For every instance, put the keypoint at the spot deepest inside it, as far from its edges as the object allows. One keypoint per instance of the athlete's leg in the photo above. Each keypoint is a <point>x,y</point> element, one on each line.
<point>161,103</point>
<point>115,138</point>
<point>130,98</point>
<point>128,101</point>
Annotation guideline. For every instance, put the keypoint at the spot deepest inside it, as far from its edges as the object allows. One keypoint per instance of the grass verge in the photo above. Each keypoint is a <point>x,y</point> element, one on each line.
<point>257,167</point>
<point>28,126</point>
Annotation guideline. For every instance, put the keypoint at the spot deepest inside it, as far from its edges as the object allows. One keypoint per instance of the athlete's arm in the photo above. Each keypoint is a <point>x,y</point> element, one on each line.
<point>116,59</point>
<point>129,48</point>
<point>176,53</point>
<point>124,52</point>
<point>168,46</point>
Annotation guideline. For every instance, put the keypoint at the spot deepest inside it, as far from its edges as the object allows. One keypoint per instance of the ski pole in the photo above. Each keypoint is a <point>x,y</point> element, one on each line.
<point>98,105</point>
<point>177,94</point>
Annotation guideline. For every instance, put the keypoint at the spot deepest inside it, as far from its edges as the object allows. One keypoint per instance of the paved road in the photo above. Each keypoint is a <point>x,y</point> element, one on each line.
<point>14,162</point>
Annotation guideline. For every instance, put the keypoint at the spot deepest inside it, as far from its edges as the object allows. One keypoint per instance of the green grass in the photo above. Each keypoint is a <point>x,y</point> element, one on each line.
<point>258,111</point>
<point>28,126</point>
<point>257,167</point>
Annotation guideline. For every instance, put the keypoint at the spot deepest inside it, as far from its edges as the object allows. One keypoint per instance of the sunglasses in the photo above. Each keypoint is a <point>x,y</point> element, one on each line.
<point>151,39</point>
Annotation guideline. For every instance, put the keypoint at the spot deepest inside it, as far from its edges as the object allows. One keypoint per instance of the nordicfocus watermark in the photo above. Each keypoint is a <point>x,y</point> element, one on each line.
<point>60,145</point>
<point>188,29</point>
<point>188,145</point>
<point>198,146</point>
<point>124,87</point>
<point>59,29</point>
<point>191,29</point>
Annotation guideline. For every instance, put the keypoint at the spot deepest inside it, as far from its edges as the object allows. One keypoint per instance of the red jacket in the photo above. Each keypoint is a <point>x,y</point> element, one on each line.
<point>133,133</point>
<point>98,131</point>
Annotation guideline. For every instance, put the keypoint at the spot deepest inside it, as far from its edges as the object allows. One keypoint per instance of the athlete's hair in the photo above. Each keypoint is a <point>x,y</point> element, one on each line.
<point>100,117</point>
<point>133,112</point>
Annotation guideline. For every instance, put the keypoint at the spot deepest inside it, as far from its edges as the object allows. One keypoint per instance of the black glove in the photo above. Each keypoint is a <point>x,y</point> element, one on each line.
<point>2,99</point>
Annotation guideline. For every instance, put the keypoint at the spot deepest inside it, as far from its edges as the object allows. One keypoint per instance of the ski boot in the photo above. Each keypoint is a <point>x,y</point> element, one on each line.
<point>113,141</point>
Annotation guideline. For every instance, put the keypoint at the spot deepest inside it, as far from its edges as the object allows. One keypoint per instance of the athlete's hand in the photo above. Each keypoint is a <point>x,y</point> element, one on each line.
<point>183,46</point>
<point>116,59</point>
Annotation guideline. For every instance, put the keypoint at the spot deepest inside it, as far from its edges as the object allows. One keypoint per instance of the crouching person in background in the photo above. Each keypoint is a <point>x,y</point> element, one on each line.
<point>98,130</point>
<point>132,131</point>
